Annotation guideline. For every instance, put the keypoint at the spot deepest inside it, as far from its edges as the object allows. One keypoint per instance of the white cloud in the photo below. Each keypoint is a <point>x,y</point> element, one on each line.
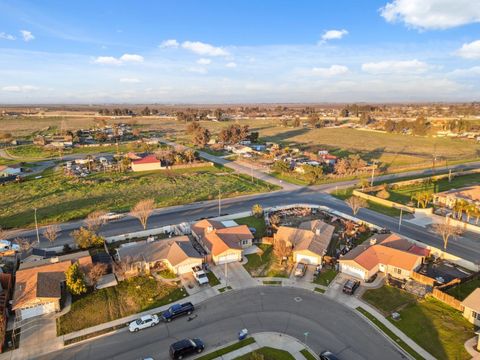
<point>131,58</point>
<point>19,88</point>
<point>333,34</point>
<point>110,60</point>
<point>395,67</point>
<point>27,35</point>
<point>204,49</point>
<point>6,36</point>
<point>470,50</point>
<point>197,70</point>
<point>473,71</point>
<point>204,61</point>
<point>432,14</point>
<point>333,70</point>
<point>107,60</point>
<point>130,80</point>
<point>231,64</point>
<point>170,43</point>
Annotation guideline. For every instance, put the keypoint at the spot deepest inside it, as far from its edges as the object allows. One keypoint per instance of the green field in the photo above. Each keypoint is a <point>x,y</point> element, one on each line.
<point>436,327</point>
<point>128,297</point>
<point>256,222</point>
<point>268,354</point>
<point>59,198</point>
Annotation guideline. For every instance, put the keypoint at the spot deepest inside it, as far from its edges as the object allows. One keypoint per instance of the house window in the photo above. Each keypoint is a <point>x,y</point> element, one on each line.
<point>475,315</point>
<point>398,271</point>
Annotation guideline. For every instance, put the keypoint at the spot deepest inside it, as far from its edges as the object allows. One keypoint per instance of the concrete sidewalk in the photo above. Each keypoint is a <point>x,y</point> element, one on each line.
<point>270,339</point>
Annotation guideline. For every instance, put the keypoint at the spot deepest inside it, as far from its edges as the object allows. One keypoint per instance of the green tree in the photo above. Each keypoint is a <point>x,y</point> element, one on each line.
<point>422,198</point>
<point>281,166</point>
<point>201,137</point>
<point>86,239</point>
<point>312,173</point>
<point>75,280</point>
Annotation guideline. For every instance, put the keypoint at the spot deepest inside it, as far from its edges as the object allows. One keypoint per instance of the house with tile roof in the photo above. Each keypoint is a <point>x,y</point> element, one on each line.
<point>309,242</point>
<point>448,198</point>
<point>222,242</point>
<point>386,253</point>
<point>471,307</point>
<point>177,254</point>
<point>40,285</point>
<point>147,163</point>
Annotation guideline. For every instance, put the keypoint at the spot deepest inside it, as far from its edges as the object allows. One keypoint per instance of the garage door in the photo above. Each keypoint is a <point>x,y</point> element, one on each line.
<point>228,259</point>
<point>37,310</point>
<point>351,270</point>
<point>312,260</point>
<point>185,269</point>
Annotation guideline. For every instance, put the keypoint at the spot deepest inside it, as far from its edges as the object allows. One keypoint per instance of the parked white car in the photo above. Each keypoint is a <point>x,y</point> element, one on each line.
<point>143,323</point>
<point>112,216</point>
<point>200,275</point>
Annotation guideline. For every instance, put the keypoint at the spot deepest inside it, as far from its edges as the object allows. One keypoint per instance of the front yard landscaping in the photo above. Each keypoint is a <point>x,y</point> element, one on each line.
<point>128,297</point>
<point>435,326</point>
<point>266,264</point>
<point>268,354</point>
<point>325,277</point>
<point>307,354</point>
<point>60,198</point>
<point>212,279</point>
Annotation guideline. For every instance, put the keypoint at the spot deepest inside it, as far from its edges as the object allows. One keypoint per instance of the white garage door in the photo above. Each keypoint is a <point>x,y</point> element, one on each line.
<point>228,259</point>
<point>37,310</point>
<point>185,269</point>
<point>351,270</point>
<point>312,260</point>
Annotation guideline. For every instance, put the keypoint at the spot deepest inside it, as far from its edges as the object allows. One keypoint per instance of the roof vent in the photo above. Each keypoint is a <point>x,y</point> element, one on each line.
<point>373,241</point>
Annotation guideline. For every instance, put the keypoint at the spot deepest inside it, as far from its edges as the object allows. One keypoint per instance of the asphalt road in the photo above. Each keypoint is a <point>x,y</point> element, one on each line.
<point>331,326</point>
<point>467,246</point>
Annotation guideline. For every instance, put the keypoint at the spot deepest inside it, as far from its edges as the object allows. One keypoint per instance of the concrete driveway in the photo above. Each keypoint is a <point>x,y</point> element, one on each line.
<point>237,277</point>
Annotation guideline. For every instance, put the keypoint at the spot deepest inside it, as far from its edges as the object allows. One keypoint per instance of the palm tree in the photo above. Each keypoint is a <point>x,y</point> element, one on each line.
<point>476,213</point>
<point>470,210</point>
<point>459,208</point>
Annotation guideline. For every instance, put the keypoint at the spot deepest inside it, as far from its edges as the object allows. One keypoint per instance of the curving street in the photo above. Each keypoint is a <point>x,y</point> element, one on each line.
<point>290,311</point>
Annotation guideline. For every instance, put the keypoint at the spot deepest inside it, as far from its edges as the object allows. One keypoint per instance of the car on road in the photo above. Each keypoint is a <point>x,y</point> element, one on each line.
<point>177,310</point>
<point>180,349</point>
<point>200,275</point>
<point>301,269</point>
<point>328,355</point>
<point>143,323</point>
<point>110,216</point>
<point>350,286</point>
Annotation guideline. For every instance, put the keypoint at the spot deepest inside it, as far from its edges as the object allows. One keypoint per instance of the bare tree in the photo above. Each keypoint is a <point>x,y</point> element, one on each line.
<point>142,211</point>
<point>281,249</point>
<point>95,220</point>
<point>24,244</point>
<point>51,233</point>
<point>447,231</point>
<point>96,272</point>
<point>356,203</point>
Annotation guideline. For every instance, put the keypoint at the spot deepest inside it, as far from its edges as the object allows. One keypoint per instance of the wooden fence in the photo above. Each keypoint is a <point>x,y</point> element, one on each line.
<point>447,299</point>
<point>423,279</point>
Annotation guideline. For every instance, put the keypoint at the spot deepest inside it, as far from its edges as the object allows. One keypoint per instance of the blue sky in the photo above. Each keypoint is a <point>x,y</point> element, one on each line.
<point>239,51</point>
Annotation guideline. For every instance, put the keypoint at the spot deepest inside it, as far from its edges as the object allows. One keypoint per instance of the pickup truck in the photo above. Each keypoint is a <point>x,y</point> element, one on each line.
<point>301,269</point>
<point>177,310</point>
<point>200,275</point>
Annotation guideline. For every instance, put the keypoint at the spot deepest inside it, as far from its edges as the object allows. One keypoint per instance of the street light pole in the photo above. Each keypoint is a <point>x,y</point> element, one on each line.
<point>36,226</point>
<point>219,202</point>
<point>400,219</point>
<point>306,337</point>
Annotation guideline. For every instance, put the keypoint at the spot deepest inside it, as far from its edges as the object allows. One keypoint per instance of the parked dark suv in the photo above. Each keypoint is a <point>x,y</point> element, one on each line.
<point>177,310</point>
<point>185,347</point>
<point>350,286</point>
<point>327,355</point>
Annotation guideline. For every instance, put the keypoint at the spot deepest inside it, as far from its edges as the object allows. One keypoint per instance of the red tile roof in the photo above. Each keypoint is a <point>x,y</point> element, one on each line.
<point>149,159</point>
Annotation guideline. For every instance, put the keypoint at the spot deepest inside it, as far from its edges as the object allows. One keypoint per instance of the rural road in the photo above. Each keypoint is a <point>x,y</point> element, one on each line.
<point>290,311</point>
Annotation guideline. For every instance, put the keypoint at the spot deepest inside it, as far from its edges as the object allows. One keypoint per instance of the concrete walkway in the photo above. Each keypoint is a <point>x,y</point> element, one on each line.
<point>270,339</point>
<point>471,347</point>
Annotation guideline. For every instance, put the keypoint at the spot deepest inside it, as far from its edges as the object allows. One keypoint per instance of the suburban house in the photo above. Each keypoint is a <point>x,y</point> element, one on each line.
<point>5,293</point>
<point>223,241</point>
<point>471,306</point>
<point>40,285</point>
<point>385,253</point>
<point>36,254</point>
<point>309,242</point>
<point>10,170</point>
<point>328,159</point>
<point>448,198</point>
<point>177,254</point>
<point>148,163</point>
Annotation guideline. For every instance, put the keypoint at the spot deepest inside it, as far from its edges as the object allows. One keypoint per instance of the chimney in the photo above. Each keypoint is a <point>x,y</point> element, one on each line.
<point>317,231</point>
<point>373,241</point>
<point>209,229</point>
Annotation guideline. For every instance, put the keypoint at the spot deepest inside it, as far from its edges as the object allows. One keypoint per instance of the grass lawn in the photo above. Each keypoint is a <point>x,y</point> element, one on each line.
<point>227,349</point>
<point>436,327</point>
<point>212,279</point>
<point>325,277</point>
<point>307,354</point>
<point>226,288</point>
<point>265,265</point>
<point>319,290</point>
<point>461,291</point>
<point>268,354</point>
<point>388,299</point>
<point>272,282</point>
<point>256,222</point>
<point>128,297</point>
<point>390,334</point>
<point>59,198</point>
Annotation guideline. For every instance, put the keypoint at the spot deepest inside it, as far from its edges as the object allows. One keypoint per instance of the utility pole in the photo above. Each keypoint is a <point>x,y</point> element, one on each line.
<point>400,219</point>
<point>36,226</point>
<point>219,202</point>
